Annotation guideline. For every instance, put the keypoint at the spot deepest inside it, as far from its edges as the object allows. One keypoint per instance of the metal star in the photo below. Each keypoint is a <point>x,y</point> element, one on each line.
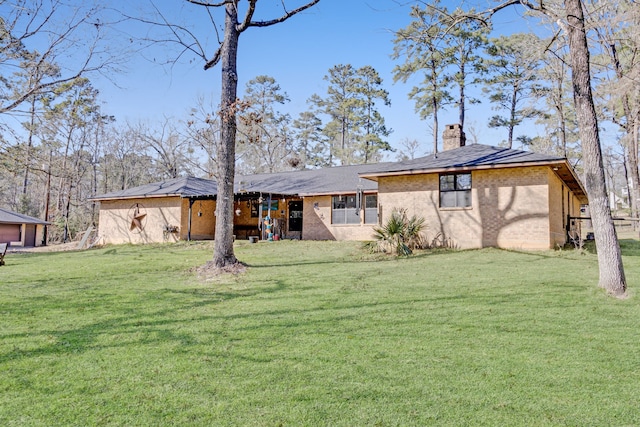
<point>136,221</point>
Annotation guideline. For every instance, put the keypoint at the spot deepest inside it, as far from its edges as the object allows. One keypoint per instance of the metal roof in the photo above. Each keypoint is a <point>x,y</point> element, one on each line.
<point>9,217</point>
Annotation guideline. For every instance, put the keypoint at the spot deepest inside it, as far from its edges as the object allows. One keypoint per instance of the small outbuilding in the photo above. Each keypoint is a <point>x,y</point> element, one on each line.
<point>18,229</point>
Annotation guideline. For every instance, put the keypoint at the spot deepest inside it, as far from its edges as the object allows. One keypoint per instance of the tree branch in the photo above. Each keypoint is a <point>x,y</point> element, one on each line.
<point>214,61</point>
<point>283,18</point>
<point>209,4</point>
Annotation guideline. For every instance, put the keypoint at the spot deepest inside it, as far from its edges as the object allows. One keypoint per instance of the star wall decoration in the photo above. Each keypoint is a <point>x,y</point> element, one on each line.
<point>137,216</point>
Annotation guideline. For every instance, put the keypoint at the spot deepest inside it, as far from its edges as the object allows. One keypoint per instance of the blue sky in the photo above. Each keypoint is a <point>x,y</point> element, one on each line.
<point>298,54</point>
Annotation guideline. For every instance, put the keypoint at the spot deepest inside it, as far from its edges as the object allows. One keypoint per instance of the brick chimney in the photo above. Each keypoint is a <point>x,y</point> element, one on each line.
<point>453,137</point>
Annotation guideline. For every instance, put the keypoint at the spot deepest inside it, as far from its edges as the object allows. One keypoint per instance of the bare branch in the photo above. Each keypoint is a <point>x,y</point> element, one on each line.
<point>209,4</point>
<point>177,31</point>
<point>214,61</point>
<point>247,16</point>
<point>43,69</point>
<point>283,18</point>
<point>485,16</point>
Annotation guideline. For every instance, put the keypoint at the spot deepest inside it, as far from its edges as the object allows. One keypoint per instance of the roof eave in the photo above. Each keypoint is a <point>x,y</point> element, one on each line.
<point>139,196</point>
<point>577,188</point>
<point>336,193</point>
<point>373,176</point>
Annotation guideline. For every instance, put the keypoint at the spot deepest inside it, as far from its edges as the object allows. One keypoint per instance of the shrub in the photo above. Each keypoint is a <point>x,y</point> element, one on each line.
<point>400,234</point>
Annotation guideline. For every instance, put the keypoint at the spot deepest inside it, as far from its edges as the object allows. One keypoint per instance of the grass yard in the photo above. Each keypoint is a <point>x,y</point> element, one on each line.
<point>316,334</point>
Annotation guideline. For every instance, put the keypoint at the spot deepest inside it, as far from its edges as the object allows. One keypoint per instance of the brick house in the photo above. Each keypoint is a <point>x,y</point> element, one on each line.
<point>317,204</point>
<point>471,196</point>
<point>478,195</point>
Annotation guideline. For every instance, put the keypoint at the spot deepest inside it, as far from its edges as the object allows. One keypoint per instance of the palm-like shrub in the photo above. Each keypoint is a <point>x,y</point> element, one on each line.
<point>400,234</point>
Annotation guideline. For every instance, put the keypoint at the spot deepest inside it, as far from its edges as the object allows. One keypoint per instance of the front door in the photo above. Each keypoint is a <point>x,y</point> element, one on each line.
<point>295,216</point>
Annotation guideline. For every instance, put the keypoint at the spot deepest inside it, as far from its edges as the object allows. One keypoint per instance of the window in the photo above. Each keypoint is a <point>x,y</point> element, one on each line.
<point>371,209</point>
<point>345,209</point>
<point>455,190</point>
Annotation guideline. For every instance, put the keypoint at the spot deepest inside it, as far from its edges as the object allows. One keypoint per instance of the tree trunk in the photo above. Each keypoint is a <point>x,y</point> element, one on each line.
<point>47,202</point>
<point>223,246</point>
<point>461,100</point>
<point>612,276</point>
<point>635,176</point>
<point>512,115</point>
<point>435,126</point>
<point>27,154</point>
<point>632,144</point>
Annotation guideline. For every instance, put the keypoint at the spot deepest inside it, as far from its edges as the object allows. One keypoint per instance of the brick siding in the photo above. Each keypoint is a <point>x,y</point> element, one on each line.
<point>510,208</point>
<point>115,220</point>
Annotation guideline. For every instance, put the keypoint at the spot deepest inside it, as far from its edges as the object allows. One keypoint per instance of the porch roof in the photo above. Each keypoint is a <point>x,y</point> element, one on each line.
<point>334,180</point>
<point>180,187</point>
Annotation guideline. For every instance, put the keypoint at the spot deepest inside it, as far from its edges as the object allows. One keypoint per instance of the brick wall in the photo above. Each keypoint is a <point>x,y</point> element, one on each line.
<point>316,223</point>
<point>563,203</point>
<point>115,220</point>
<point>203,220</point>
<point>510,207</point>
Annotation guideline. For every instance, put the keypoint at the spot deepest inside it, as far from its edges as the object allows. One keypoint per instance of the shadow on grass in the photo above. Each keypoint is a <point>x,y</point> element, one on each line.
<point>133,323</point>
<point>179,323</point>
<point>628,247</point>
<point>132,326</point>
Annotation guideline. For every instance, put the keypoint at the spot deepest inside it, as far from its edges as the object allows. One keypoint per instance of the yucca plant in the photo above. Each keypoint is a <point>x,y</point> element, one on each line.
<point>400,234</point>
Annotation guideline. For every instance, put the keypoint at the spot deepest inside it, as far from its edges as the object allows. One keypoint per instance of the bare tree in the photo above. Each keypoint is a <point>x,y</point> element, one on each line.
<point>616,26</point>
<point>171,150</point>
<point>409,149</point>
<point>58,29</point>
<point>226,54</point>
<point>203,128</point>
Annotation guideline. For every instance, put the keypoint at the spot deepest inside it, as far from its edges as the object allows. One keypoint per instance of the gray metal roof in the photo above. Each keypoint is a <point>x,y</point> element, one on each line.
<point>9,217</point>
<point>469,156</point>
<point>182,187</point>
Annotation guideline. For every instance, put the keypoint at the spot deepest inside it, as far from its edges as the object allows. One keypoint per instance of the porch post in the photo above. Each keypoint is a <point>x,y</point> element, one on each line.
<point>191,201</point>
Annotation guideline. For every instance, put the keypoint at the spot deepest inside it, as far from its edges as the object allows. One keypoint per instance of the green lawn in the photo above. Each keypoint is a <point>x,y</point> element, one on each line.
<point>316,334</point>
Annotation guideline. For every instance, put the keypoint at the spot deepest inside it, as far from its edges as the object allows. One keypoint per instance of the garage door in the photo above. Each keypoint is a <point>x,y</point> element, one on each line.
<point>9,233</point>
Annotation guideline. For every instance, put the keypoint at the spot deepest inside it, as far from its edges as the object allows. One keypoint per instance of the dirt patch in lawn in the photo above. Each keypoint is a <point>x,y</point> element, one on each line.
<point>209,272</point>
